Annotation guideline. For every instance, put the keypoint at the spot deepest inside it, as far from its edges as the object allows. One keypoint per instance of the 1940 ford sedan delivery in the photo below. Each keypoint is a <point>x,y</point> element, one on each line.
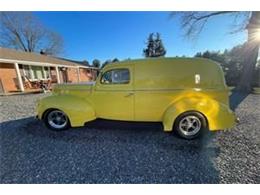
<point>187,95</point>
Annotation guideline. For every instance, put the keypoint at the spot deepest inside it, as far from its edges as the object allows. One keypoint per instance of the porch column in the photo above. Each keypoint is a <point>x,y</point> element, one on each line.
<point>20,81</point>
<point>57,74</point>
<point>78,74</point>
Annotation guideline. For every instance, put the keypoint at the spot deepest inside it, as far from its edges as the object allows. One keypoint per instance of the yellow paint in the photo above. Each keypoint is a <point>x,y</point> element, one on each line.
<point>159,90</point>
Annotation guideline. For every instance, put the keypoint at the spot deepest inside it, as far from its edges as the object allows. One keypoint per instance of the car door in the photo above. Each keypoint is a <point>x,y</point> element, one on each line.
<point>113,96</point>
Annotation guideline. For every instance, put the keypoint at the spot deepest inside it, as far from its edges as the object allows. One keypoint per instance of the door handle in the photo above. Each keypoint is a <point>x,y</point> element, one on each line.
<point>129,94</point>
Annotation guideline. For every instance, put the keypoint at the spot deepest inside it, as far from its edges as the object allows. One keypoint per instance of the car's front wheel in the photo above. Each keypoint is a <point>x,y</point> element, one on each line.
<point>190,125</point>
<point>56,120</point>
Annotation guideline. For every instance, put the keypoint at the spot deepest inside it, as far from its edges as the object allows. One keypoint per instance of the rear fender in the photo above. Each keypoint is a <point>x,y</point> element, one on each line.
<point>218,115</point>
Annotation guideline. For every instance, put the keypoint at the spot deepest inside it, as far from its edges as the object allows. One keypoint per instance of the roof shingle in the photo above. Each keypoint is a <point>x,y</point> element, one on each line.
<point>11,54</point>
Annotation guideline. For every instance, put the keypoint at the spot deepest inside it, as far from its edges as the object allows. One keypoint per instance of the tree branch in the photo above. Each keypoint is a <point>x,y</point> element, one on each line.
<point>213,14</point>
<point>194,22</point>
<point>22,30</point>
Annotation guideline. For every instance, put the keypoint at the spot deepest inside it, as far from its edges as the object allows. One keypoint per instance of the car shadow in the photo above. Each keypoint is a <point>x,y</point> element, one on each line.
<point>236,98</point>
<point>103,151</point>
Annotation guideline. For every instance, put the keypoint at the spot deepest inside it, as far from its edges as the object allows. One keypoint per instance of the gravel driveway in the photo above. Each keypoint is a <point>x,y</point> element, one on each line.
<point>122,152</point>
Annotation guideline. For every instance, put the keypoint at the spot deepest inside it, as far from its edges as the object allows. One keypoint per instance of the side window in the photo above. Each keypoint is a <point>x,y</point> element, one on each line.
<point>116,76</point>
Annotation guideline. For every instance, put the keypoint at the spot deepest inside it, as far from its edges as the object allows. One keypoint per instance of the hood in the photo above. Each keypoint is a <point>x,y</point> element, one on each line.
<point>70,87</point>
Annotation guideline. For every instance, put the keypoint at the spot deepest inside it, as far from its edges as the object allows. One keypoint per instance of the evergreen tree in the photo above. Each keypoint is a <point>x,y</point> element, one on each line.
<point>115,60</point>
<point>148,52</point>
<point>232,63</point>
<point>96,63</point>
<point>155,46</point>
<point>159,47</point>
<point>85,62</point>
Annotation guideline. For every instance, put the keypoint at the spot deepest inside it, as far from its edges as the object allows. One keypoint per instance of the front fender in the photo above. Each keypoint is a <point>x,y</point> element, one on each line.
<point>77,109</point>
<point>218,115</point>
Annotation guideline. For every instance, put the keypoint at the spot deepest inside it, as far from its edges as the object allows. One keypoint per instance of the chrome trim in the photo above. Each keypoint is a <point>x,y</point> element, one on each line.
<point>190,125</point>
<point>57,119</point>
<point>155,90</point>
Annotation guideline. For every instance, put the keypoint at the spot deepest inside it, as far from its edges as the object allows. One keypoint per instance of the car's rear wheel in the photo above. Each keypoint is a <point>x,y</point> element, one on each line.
<point>56,120</point>
<point>190,125</point>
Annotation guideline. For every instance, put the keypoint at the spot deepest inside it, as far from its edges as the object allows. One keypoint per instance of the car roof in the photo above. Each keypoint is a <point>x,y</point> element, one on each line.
<point>160,60</point>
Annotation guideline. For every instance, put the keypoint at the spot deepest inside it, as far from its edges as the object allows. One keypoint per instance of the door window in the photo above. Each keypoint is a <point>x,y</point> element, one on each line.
<point>116,76</point>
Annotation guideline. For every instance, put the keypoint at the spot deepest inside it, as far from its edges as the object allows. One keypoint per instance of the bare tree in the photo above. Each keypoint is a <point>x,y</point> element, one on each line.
<point>194,22</point>
<point>23,31</point>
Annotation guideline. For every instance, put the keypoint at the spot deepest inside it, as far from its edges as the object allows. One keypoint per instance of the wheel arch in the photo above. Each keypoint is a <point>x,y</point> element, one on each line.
<point>77,109</point>
<point>185,105</point>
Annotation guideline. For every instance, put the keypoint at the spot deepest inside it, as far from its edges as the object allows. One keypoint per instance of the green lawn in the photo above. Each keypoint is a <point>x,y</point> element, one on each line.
<point>256,90</point>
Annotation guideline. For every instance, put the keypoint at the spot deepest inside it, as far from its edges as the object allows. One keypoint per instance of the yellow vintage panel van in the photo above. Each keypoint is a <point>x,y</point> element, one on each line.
<point>187,95</point>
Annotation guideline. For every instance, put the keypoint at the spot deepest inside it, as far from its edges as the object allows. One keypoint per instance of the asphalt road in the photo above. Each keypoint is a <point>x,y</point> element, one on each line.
<point>123,152</point>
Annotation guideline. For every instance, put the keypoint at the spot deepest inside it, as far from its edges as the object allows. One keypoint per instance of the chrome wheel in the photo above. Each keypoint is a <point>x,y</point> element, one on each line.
<point>57,119</point>
<point>190,125</point>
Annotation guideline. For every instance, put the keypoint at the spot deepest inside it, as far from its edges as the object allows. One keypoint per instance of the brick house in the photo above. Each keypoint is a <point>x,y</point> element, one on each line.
<point>18,68</point>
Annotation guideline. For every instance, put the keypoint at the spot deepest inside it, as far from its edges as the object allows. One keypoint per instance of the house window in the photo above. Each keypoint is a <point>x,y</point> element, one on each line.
<point>36,72</point>
<point>47,74</point>
<point>27,71</point>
